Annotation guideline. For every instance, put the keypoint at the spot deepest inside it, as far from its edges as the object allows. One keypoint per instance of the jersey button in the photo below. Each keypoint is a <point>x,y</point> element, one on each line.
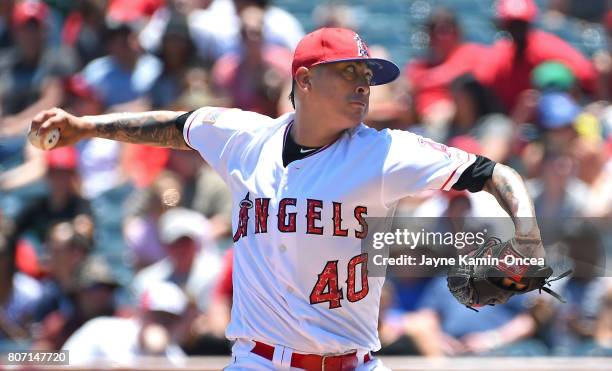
<point>290,289</point>
<point>282,248</point>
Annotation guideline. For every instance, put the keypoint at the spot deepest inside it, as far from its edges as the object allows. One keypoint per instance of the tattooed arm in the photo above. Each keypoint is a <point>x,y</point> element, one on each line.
<point>509,189</point>
<point>157,128</point>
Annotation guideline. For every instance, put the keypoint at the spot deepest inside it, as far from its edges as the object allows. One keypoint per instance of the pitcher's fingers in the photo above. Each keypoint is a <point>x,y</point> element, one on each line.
<point>40,118</point>
<point>57,121</point>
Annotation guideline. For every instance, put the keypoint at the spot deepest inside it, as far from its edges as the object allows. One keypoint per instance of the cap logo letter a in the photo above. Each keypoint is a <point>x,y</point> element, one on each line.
<point>362,50</point>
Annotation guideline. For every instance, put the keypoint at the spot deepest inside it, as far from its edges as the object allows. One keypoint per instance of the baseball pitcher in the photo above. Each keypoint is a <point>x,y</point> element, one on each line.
<point>303,185</point>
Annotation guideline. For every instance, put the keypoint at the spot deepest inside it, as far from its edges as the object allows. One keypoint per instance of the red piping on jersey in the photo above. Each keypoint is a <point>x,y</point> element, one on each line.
<point>310,154</point>
<point>454,171</point>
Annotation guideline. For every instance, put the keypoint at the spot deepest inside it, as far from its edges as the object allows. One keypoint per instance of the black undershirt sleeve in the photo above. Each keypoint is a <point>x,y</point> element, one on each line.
<point>476,175</point>
<point>180,121</point>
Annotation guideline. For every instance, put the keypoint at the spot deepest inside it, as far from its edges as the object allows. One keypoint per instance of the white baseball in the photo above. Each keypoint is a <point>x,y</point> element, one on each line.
<point>46,143</point>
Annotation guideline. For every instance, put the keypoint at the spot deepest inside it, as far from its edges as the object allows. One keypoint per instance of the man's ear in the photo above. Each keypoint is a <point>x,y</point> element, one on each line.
<point>303,77</point>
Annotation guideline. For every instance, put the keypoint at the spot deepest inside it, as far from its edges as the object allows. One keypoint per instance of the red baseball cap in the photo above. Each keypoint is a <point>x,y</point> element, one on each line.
<point>329,45</point>
<point>523,10</point>
<point>133,10</point>
<point>27,10</point>
<point>62,158</point>
<point>76,85</point>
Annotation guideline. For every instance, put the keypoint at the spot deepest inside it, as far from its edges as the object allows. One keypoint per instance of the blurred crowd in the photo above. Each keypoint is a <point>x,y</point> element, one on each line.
<point>117,250</point>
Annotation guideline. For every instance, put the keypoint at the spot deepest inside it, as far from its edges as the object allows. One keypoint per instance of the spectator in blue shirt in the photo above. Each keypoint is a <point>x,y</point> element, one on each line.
<point>502,330</point>
<point>125,75</point>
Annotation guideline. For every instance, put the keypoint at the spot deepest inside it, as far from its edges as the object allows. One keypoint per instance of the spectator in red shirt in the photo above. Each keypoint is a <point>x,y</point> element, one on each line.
<point>448,57</point>
<point>508,68</point>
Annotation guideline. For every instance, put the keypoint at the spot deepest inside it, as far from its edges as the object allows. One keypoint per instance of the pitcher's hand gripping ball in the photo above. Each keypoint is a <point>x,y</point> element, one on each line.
<point>48,142</point>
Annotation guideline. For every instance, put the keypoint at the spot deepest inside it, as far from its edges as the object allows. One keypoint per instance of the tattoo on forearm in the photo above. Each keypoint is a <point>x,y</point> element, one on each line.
<point>504,187</point>
<point>511,194</point>
<point>154,128</point>
<point>504,193</point>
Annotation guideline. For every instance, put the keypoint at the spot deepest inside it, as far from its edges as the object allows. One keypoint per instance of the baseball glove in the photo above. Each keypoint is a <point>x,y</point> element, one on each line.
<point>484,276</point>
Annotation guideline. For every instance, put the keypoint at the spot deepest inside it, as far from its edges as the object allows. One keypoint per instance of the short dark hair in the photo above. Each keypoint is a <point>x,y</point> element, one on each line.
<point>483,98</point>
<point>292,94</point>
<point>442,15</point>
<point>257,3</point>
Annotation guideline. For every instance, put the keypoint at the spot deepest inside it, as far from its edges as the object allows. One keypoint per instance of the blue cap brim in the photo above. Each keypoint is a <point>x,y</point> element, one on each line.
<point>384,71</point>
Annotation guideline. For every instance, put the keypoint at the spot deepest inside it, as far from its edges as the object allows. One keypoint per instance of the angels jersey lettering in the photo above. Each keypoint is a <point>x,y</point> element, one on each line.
<point>300,278</point>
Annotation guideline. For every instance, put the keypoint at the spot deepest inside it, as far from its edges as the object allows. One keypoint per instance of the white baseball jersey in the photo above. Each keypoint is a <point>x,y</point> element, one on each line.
<point>300,278</point>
